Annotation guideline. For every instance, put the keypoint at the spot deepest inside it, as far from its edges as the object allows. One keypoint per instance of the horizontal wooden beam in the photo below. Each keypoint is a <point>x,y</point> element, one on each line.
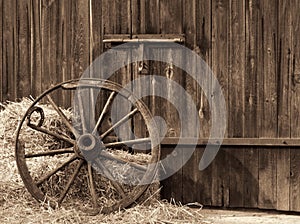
<point>159,38</point>
<point>247,142</point>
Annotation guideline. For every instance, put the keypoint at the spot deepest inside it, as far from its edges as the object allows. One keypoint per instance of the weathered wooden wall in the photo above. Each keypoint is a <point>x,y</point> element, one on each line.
<point>253,47</point>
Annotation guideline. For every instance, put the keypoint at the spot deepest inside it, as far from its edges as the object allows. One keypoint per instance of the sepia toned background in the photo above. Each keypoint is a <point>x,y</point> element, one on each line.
<point>252,46</point>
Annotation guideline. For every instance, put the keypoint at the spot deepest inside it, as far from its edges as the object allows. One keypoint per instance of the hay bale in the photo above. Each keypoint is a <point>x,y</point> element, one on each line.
<point>17,206</point>
<point>34,140</point>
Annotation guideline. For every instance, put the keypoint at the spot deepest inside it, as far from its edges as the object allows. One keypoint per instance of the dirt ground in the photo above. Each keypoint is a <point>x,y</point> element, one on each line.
<point>218,216</point>
<point>17,206</point>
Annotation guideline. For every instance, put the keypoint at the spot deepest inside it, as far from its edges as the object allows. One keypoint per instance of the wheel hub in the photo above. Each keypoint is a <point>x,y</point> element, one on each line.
<point>89,146</point>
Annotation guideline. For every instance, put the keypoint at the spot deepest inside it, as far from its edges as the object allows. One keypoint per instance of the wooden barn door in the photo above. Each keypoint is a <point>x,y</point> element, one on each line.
<point>253,49</point>
<point>134,19</point>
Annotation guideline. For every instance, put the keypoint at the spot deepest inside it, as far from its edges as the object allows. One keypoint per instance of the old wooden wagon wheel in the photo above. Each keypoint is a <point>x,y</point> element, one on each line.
<point>54,167</point>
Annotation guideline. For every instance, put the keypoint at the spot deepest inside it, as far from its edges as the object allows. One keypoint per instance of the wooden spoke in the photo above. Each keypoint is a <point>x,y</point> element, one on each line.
<point>71,181</point>
<point>92,186</point>
<point>58,136</point>
<point>63,117</point>
<point>128,142</point>
<point>49,153</point>
<point>108,174</point>
<point>120,122</point>
<point>108,102</point>
<point>81,111</point>
<point>47,176</point>
<point>92,112</point>
<point>123,161</point>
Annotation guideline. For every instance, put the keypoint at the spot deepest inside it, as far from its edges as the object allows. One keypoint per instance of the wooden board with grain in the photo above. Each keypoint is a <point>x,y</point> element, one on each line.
<point>36,54</point>
<point>284,103</point>
<point>295,111</point>
<point>45,40</point>
<point>9,60</point>
<point>220,52</point>
<point>96,31</point>
<point>251,88</point>
<point>268,116</point>
<point>197,20</point>
<point>140,71</point>
<point>171,23</point>
<point>23,35</point>
<point>190,171</point>
<point>116,17</point>
<point>236,85</point>
<point>204,47</point>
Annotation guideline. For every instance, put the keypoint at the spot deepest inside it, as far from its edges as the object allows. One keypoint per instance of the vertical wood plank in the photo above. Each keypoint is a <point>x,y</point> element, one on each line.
<point>81,26</point>
<point>96,31</point>
<point>145,20</point>
<point>139,19</point>
<point>81,46</point>
<point>54,73</point>
<point>16,51</point>
<point>36,48</point>
<point>152,26</point>
<point>220,52</point>
<point>108,17</point>
<point>171,19</point>
<point>197,30</point>
<point>97,35</point>
<point>45,44</point>
<point>190,171</point>
<point>9,43</point>
<point>24,36</point>
<point>124,26</point>
<point>236,97</point>
<point>116,17</point>
<point>64,45</point>
<point>138,26</point>
<point>268,157</point>
<point>295,107</point>
<point>251,88</point>
<point>72,35</point>
<point>171,16</point>
<point>152,17</point>
<point>284,106</point>
<point>54,43</point>
<point>203,47</point>
<point>96,47</point>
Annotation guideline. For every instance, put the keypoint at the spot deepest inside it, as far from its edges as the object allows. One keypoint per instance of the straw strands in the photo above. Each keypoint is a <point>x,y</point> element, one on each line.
<point>18,206</point>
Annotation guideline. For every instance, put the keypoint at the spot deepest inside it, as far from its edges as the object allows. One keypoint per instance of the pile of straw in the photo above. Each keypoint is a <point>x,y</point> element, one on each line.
<point>12,115</point>
<point>18,206</point>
